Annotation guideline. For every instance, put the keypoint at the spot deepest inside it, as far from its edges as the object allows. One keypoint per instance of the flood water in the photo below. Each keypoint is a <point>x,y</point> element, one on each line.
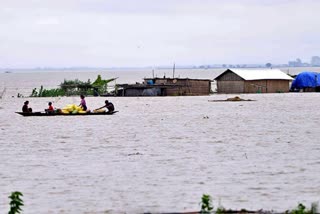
<point>158,154</point>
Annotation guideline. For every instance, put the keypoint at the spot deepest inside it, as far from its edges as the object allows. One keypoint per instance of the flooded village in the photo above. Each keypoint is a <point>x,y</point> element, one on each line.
<point>229,81</point>
<point>159,107</point>
<point>164,136</point>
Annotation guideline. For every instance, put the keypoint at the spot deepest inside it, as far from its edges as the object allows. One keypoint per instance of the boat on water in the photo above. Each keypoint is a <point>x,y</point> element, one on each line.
<point>45,114</point>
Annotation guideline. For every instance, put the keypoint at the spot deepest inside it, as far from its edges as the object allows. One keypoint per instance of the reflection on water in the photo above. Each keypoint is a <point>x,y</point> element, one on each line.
<point>162,153</point>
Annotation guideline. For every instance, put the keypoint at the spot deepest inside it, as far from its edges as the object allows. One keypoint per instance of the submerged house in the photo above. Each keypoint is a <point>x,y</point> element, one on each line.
<point>253,81</point>
<point>166,87</point>
<point>307,82</point>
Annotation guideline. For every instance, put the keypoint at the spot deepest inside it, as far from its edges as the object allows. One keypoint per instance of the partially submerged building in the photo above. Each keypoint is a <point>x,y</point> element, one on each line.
<point>236,81</point>
<point>166,87</point>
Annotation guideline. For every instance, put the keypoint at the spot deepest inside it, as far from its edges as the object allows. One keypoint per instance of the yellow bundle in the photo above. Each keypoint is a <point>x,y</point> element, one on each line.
<point>99,111</point>
<point>68,108</point>
<point>71,109</point>
<point>63,111</point>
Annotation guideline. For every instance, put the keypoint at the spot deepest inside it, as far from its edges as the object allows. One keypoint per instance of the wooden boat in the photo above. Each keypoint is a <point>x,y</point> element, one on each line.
<point>61,114</point>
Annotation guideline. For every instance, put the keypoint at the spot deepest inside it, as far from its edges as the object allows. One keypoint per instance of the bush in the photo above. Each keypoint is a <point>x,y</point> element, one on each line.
<point>16,203</point>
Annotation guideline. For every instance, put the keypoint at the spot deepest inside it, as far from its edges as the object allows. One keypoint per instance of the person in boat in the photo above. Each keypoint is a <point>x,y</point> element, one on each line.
<point>50,108</point>
<point>25,107</point>
<point>83,103</point>
<point>108,105</point>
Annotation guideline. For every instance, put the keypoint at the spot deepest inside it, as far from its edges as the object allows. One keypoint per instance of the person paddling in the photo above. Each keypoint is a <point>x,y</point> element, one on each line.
<point>25,107</point>
<point>107,105</point>
<point>83,103</point>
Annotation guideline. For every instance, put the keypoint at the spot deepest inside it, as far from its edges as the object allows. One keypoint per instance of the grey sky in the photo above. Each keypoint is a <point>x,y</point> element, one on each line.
<point>156,32</point>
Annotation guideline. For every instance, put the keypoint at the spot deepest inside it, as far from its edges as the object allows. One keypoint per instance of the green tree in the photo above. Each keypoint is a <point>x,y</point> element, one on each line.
<point>16,203</point>
<point>102,84</point>
<point>206,204</point>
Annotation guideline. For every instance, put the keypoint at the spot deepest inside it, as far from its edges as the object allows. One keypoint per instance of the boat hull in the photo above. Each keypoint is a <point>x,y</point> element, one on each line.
<point>33,114</point>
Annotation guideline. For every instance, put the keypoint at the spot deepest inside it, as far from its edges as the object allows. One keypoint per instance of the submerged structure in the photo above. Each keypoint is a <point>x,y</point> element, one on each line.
<point>166,87</point>
<point>234,81</point>
<point>307,82</point>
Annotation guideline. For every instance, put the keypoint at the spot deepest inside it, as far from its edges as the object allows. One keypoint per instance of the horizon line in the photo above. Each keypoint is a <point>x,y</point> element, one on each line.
<point>204,66</point>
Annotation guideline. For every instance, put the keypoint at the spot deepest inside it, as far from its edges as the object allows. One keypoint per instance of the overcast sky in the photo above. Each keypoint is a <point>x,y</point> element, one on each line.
<point>106,33</point>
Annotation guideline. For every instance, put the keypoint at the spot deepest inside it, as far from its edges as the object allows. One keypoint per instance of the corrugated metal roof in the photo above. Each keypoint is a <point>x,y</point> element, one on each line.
<point>262,74</point>
<point>170,78</point>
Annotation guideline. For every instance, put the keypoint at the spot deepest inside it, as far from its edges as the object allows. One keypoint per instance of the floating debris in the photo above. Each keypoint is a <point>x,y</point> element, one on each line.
<point>233,99</point>
<point>137,153</point>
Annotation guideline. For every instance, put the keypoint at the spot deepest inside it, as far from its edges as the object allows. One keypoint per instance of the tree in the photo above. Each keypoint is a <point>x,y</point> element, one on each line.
<point>101,84</point>
<point>268,65</point>
<point>16,203</point>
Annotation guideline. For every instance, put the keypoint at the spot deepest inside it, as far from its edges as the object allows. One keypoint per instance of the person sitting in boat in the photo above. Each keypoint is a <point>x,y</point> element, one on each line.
<point>50,109</point>
<point>107,105</point>
<point>83,103</point>
<point>25,107</point>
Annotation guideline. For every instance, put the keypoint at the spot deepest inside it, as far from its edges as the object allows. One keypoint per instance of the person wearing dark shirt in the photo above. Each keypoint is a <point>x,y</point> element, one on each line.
<point>25,107</point>
<point>107,105</point>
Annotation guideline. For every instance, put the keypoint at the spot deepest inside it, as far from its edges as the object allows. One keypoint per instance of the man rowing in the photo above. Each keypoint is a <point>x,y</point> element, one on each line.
<point>107,105</point>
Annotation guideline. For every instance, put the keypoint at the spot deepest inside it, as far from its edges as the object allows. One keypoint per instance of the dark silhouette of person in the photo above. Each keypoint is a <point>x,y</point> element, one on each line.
<point>107,105</point>
<point>25,107</point>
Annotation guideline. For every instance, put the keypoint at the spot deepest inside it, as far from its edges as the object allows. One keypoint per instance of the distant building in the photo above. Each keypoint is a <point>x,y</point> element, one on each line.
<point>315,61</point>
<point>166,87</point>
<point>253,81</point>
<point>296,63</point>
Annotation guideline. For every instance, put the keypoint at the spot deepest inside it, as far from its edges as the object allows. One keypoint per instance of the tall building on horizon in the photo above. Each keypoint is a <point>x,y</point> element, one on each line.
<point>315,61</point>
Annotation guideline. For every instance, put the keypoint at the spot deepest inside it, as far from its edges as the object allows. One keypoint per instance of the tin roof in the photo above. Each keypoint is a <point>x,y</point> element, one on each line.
<point>262,74</point>
<point>170,78</point>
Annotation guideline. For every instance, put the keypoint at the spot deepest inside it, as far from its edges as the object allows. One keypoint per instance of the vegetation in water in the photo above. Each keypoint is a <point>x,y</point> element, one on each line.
<point>301,209</point>
<point>100,85</point>
<point>206,204</point>
<point>220,210</point>
<point>74,87</point>
<point>47,92</point>
<point>16,203</point>
<point>207,207</point>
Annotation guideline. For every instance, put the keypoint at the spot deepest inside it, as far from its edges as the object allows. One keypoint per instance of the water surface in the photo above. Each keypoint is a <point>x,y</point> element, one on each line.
<point>159,154</point>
